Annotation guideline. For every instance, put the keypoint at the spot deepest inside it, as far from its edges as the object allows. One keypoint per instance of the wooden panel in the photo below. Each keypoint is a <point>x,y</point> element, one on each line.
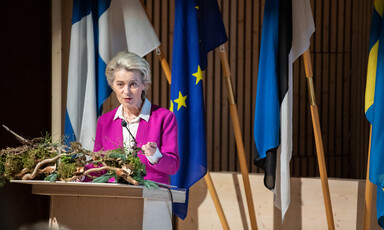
<point>97,212</point>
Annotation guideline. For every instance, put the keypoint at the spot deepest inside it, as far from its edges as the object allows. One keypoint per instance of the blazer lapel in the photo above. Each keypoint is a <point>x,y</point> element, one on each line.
<point>142,132</point>
<point>118,133</point>
<point>143,129</point>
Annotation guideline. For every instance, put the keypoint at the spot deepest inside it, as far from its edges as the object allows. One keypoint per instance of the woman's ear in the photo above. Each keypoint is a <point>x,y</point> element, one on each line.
<point>146,85</point>
<point>143,95</point>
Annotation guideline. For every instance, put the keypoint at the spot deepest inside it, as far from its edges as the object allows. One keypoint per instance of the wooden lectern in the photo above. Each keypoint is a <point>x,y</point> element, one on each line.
<point>78,205</point>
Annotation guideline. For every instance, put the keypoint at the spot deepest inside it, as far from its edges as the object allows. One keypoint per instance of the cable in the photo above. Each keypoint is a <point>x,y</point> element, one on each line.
<point>170,193</point>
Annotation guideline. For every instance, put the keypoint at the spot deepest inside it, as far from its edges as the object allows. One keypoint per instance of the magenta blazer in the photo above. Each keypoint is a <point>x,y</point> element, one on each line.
<point>160,128</point>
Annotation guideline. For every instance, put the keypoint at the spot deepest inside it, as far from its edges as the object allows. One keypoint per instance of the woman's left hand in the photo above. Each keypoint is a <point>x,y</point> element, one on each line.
<point>149,148</point>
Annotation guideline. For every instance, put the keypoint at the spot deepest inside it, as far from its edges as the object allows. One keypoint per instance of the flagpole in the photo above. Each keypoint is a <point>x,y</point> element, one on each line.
<point>56,46</point>
<point>216,201</point>
<point>159,52</point>
<point>368,191</point>
<point>238,137</point>
<point>318,140</point>
<point>164,63</point>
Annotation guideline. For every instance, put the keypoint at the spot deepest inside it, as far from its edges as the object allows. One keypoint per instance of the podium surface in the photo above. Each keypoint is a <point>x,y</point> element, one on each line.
<point>78,205</point>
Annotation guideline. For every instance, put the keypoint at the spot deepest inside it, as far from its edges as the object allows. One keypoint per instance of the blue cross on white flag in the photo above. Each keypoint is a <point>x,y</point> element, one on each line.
<point>100,29</point>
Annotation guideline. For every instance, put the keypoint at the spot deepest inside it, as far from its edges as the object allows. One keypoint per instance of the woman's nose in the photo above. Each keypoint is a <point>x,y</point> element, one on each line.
<point>127,90</point>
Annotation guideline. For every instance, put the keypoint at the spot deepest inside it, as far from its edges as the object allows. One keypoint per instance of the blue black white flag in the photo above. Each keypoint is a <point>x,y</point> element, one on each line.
<point>287,29</point>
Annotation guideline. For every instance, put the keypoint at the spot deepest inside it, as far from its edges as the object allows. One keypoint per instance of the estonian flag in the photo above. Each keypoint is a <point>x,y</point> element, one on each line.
<point>100,29</point>
<point>374,105</point>
<point>198,29</point>
<point>287,29</point>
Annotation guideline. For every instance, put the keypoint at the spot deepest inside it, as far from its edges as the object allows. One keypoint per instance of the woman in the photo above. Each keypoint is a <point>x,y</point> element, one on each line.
<point>154,128</point>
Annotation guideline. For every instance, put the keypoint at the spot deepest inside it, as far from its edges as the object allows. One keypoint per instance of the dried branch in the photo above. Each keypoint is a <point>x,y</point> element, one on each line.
<point>18,137</point>
<point>21,173</point>
<point>120,172</point>
<point>38,166</point>
<point>48,169</point>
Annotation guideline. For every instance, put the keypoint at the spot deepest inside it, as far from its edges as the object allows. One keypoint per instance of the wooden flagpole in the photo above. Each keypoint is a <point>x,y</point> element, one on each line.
<point>56,70</point>
<point>318,140</point>
<point>368,191</point>
<point>164,63</point>
<point>216,200</point>
<point>207,177</point>
<point>238,137</point>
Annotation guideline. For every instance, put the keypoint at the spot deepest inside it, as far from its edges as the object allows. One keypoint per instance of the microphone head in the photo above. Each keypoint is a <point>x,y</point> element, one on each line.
<point>124,123</point>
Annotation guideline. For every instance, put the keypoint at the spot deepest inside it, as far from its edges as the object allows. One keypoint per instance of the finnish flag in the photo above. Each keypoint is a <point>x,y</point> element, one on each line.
<point>100,29</point>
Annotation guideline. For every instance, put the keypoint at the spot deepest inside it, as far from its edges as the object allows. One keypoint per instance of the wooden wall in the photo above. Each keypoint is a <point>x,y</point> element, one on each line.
<point>339,51</point>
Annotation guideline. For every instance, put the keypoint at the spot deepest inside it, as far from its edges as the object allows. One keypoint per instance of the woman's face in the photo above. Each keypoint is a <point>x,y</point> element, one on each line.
<point>128,87</point>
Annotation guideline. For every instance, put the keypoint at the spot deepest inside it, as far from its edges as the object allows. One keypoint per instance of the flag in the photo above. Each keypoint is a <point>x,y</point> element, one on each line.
<point>374,104</point>
<point>100,29</point>
<point>287,29</point>
<point>198,29</point>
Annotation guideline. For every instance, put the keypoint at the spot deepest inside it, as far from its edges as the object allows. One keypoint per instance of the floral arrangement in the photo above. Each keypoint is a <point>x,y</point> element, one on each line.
<point>41,159</point>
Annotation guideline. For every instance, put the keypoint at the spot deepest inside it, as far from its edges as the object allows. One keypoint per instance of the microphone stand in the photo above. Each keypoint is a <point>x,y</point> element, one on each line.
<point>135,147</point>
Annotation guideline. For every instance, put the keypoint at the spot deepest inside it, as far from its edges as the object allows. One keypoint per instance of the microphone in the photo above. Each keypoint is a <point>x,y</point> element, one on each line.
<point>125,124</point>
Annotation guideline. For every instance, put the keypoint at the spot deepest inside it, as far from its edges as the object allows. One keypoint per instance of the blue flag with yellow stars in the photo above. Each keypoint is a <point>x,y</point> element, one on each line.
<point>198,29</point>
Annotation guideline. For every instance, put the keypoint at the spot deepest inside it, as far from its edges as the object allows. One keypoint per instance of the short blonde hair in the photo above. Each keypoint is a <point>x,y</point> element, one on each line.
<point>128,61</point>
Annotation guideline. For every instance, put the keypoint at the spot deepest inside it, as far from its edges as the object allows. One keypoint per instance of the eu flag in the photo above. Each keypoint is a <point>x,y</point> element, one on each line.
<point>198,30</point>
<point>374,104</point>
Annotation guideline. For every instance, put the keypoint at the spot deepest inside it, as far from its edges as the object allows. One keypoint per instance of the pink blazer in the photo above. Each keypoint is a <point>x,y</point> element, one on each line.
<point>161,128</point>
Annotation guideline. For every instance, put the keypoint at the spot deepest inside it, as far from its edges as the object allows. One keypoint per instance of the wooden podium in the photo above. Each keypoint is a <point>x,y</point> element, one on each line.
<point>78,205</point>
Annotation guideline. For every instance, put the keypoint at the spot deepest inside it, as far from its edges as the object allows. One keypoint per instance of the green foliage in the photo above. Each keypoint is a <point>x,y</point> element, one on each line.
<point>137,165</point>
<point>117,155</point>
<point>67,159</point>
<point>150,185</point>
<point>103,179</point>
<point>51,178</point>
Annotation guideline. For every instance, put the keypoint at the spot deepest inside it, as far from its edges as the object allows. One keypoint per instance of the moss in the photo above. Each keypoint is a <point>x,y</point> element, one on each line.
<point>34,156</point>
<point>66,170</point>
<point>2,169</point>
<point>13,165</point>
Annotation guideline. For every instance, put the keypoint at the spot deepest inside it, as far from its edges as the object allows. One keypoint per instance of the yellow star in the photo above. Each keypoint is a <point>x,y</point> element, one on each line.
<point>197,7</point>
<point>171,108</point>
<point>181,101</point>
<point>198,74</point>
